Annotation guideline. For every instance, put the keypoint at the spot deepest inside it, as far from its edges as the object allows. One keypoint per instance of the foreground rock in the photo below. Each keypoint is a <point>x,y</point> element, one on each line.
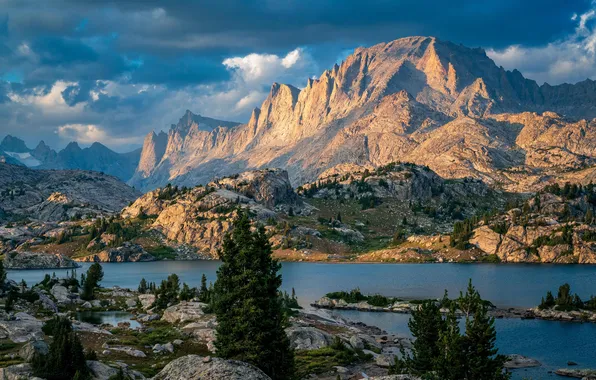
<point>308,338</point>
<point>21,328</point>
<point>184,312</point>
<point>195,367</point>
<point>18,372</point>
<point>29,350</point>
<point>38,260</point>
<point>102,371</point>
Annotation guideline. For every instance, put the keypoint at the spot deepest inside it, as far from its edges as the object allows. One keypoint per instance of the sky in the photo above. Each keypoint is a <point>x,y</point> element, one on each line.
<point>112,71</point>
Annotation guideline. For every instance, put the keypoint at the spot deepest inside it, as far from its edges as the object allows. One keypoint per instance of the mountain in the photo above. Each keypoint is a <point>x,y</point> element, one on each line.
<point>416,99</point>
<point>97,157</point>
<point>54,195</point>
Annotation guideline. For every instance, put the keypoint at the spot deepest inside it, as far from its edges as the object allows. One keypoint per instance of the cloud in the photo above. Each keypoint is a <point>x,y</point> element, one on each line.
<point>254,73</point>
<point>265,68</point>
<point>567,60</point>
<point>129,67</point>
<point>90,133</point>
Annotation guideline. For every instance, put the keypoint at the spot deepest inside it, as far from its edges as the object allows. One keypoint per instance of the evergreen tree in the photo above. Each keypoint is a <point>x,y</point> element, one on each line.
<point>66,358</point>
<point>450,363</point>
<point>91,281</point>
<point>481,354</point>
<point>2,273</point>
<point>186,294</point>
<point>168,292</point>
<point>426,325</point>
<point>203,291</point>
<point>249,312</point>
<point>143,286</point>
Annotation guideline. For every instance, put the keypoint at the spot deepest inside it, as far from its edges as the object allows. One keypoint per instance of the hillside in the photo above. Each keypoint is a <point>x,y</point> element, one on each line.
<point>54,195</point>
<point>417,99</point>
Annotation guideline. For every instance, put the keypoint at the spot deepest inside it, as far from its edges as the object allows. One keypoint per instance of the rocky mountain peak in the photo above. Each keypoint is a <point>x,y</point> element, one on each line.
<point>154,147</point>
<point>13,144</point>
<point>416,99</point>
<point>72,146</point>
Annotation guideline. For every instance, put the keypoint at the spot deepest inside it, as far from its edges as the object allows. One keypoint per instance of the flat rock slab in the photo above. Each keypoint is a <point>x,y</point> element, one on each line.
<point>21,328</point>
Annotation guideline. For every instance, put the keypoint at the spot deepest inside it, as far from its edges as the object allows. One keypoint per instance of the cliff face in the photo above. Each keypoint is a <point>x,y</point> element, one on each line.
<point>415,99</point>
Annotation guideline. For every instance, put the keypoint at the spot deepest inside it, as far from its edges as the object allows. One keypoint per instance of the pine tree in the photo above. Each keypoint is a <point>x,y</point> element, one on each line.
<point>249,312</point>
<point>2,273</point>
<point>186,294</point>
<point>426,325</point>
<point>91,281</point>
<point>203,291</point>
<point>450,363</point>
<point>143,286</point>
<point>482,359</point>
<point>66,358</point>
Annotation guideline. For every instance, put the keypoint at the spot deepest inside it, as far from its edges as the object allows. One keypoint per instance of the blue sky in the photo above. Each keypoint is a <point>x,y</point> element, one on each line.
<point>111,71</point>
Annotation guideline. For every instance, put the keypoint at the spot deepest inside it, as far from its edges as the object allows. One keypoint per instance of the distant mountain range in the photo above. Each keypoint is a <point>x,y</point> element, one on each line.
<point>416,99</point>
<point>97,157</point>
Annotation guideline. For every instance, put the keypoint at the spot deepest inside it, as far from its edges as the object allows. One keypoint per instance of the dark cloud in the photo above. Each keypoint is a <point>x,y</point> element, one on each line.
<point>132,66</point>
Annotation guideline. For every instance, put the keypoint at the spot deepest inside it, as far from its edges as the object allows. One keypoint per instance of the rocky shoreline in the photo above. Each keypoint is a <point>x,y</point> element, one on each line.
<point>177,341</point>
<point>406,307</point>
<point>38,260</point>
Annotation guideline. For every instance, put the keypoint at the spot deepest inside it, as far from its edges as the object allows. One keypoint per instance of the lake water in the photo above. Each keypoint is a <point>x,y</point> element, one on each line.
<point>107,317</point>
<point>552,343</point>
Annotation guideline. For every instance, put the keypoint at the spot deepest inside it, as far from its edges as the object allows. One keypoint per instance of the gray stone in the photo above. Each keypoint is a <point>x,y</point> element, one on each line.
<point>194,367</point>
<point>131,302</point>
<point>22,328</point>
<point>169,347</point>
<point>28,351</point>
<point>146,300</point>
<point>184,312</point>
<point>308,338</point>
<point>385,360</point>
<point>61,294</point>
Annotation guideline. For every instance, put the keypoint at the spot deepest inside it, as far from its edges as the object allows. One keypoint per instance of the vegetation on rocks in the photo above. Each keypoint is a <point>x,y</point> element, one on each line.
<point>567,301</point>
<point>355,296</point>
<point>440,351</point>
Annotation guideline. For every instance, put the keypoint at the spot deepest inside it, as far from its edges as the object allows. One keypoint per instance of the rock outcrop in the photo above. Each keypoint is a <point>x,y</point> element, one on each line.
<point>126,253</point>
<point>194,367</point>
<point>37,260</point>
<point>53,195</point>
<point>549,228</point>
<point>202,215</point>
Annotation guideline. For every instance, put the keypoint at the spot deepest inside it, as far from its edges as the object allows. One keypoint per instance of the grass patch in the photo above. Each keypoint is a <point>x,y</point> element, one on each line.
<point>324,359</point>
<point>162,252</point>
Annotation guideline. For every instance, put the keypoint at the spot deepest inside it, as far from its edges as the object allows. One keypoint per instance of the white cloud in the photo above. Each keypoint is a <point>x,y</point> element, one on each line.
<point>571,59</point>
<point>51,102</point>
<point>259,68</point>
<point>255,72</point>
<point>88,134</point>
